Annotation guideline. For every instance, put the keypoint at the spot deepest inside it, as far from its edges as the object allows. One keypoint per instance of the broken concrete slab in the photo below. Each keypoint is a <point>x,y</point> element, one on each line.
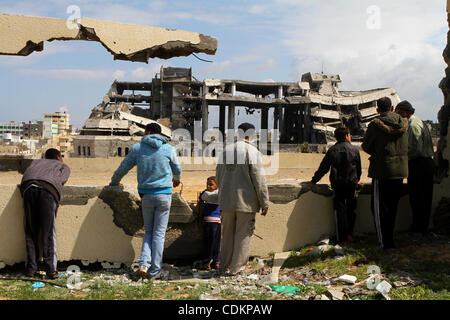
<point>22,35</point>
<point>348,279</point>
<point>335,294</point>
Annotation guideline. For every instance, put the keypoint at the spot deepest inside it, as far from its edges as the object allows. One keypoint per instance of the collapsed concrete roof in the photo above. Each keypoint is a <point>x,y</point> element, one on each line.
<point>22,35</point>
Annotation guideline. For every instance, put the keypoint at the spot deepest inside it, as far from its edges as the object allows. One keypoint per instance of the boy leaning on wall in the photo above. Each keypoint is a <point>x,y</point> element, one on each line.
<point>344,161</point>
<point>211,224</point>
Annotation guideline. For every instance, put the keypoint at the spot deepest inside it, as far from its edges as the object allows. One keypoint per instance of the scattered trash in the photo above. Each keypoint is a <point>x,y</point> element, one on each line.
<point>323,297</point>
<point>352,291</point>
<point>339,250</point>
<point>324,242</point>
<point>339,258</point>
<point>62,275</point>
<point>208,297</point>
<point>335,294</point>
<point>284,289</point>
<point>384,287</point>
<point>317,251</point>
<point>253,277</point>
<point>38,285</point>
<point>348,279</point>
<point>322,283</point>
<point>269,279</point>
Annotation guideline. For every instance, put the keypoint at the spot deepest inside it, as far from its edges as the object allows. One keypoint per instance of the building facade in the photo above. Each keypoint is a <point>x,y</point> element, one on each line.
<point>14,128</point>
<point>61,119</point>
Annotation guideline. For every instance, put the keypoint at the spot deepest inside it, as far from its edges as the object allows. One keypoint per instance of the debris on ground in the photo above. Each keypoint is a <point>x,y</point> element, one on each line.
<point>319,250</point>
<point>335,293</point>
<point>338,250</point>
<point>38,285</point>
<point>384,287</point>
<point>284,289</point>
<point>348,279</point>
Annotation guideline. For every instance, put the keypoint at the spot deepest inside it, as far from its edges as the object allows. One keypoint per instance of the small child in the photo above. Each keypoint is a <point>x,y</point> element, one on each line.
<point>211,224</point>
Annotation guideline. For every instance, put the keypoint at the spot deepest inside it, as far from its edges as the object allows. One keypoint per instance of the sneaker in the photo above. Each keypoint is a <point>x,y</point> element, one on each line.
<point>30,274</point>
<point>142,272</point>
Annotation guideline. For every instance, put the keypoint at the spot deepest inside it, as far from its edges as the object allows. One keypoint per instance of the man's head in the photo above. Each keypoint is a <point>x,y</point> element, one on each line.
<point>53,154</point>
<point>384,105</point>
<point>249,130</point>
<point>342,134</point>
<point>152,128</point>
<point>211,184</point>
<point>405,109</point>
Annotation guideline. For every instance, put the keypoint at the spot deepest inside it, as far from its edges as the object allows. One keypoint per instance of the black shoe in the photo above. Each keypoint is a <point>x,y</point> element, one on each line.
<point>52,275</point>
<point>30,274</point>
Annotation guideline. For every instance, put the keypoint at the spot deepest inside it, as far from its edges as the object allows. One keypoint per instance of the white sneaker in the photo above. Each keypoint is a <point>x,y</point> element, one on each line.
<point>142,272</point>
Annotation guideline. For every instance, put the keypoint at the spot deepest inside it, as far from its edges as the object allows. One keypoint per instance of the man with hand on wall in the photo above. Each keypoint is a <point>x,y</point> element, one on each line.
<point>158,170</point>
<point>41,187</point>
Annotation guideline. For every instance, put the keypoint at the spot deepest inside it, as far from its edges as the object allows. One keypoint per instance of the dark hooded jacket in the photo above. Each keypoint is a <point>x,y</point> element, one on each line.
<point>386,141</point>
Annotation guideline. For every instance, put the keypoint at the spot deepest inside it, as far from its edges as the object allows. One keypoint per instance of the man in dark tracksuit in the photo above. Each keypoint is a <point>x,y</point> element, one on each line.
<point>41,188</point>
<point>386,141</point>
<point>345,162</point>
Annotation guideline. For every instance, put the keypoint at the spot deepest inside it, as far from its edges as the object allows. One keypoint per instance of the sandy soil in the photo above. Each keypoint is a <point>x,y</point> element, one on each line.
<point>193,181</point>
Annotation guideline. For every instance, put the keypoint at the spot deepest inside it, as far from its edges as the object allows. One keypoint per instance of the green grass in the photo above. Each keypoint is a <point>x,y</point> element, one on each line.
<point>425,259</point>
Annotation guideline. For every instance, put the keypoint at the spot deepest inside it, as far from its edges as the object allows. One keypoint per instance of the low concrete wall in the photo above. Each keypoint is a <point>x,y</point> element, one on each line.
<point>93,227</point>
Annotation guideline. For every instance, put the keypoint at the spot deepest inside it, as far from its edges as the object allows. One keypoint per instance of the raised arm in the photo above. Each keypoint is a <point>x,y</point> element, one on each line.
<point>127,164</point>
<point>323,168</point>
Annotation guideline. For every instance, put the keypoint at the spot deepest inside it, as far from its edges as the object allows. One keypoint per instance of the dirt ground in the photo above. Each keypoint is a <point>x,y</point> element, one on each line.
<point>193,181</point>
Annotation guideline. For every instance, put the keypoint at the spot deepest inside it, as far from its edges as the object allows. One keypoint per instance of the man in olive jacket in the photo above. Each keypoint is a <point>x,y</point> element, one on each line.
<point>386,141</point>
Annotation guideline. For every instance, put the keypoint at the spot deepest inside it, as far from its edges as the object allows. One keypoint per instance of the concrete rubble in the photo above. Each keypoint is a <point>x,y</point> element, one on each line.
<point>177,100</point>
<point>22,35</point>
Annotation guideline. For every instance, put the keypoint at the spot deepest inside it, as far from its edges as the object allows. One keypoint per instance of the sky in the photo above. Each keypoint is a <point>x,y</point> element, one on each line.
<point>370,44</point>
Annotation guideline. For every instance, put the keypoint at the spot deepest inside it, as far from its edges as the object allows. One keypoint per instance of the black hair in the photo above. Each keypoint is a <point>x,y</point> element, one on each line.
<point>384,104</point>
<point>213,178</point>
<point>246,126</point>
<point>340,133</point>
<point>153,128</point>
<point>248,129</point>
<point>52,154</point>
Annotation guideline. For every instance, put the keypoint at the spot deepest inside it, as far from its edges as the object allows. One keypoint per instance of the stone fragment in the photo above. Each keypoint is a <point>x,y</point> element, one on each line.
<point>348,279</point>
<point>335,294</point>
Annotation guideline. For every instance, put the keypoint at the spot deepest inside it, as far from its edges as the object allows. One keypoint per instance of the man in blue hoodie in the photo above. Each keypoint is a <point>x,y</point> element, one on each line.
<point>158,170</point>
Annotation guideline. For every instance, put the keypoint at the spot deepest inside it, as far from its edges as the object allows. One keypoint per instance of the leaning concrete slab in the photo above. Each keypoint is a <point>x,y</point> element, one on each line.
<point>22,35</point>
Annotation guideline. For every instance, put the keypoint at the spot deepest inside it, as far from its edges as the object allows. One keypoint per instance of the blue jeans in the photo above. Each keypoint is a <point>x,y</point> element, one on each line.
<point>155,211</point>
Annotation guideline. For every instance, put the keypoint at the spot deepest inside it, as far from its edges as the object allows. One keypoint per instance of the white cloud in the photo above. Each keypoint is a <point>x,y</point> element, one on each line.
<point>119,74</point>
<point>147,72</point>
<point>73,74</point>
<point>405,53</point>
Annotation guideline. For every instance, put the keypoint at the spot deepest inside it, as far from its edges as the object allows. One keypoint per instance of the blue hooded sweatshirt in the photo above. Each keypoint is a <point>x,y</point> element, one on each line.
<point>157,164</point>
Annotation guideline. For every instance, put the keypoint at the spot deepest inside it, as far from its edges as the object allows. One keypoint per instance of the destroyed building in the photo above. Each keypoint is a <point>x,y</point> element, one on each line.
<point>305,111</point>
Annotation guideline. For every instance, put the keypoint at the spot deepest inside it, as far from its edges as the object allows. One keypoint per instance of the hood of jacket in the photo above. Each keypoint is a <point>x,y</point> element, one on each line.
<point>154,140</point>
<point>391,123</point>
